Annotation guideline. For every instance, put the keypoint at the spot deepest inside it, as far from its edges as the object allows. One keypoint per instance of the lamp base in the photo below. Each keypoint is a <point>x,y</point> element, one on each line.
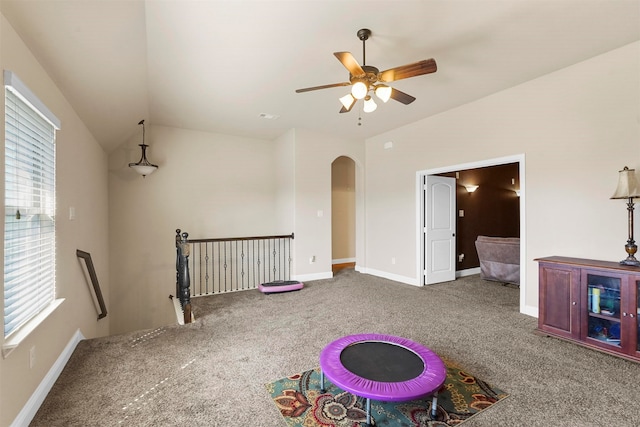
<point>631,249</point>
<point>630,260</point>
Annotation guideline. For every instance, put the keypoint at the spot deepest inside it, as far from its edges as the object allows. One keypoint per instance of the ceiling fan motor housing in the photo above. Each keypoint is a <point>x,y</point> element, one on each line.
<point>364,34</point>
<point>370,75</point>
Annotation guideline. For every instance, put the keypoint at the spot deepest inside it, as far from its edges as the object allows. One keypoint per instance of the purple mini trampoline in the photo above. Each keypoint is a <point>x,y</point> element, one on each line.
<point>383,367</point>
<point>280,286</point>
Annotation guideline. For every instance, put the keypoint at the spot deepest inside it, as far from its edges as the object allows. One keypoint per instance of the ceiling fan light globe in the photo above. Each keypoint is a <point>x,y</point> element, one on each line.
<point>359,90</point>
<point>383,92</point>
<point>369,106</point>
<point>347,101</point>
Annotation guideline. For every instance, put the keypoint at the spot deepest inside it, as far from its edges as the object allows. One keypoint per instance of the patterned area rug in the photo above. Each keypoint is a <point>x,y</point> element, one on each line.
<point>301,404</point>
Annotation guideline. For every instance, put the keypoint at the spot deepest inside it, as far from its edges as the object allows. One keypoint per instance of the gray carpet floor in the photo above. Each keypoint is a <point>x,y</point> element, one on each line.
<point>213,372</point>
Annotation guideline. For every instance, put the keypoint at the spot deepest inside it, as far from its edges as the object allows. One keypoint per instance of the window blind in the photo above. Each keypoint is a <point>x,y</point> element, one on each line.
<point>30,194</point>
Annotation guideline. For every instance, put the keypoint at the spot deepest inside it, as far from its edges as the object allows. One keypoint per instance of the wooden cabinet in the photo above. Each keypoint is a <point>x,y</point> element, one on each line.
<point>592,303</point>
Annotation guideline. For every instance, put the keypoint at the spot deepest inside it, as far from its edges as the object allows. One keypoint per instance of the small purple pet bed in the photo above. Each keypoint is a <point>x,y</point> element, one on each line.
<point>280,286</point>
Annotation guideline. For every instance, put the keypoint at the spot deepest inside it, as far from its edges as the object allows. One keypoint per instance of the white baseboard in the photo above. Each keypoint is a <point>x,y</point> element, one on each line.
<point>468,272</point>
<point>342,260</point>
<point>391,276</point>
<point>314,276</point>
<point>33,404</point>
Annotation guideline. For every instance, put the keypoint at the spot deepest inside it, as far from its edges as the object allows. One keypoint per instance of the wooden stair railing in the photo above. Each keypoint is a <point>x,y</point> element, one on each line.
<point>86,256</point>
<point>221,265</point>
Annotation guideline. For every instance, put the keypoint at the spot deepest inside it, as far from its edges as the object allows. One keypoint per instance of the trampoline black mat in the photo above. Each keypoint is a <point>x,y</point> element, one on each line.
<point>381,361</point>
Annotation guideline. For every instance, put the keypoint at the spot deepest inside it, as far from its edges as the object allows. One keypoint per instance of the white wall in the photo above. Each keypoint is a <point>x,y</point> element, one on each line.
<point>81,183</point>
<point>209,185</point>
<point>576,127</point>
<point>314,154</point>
<point>285,183</point>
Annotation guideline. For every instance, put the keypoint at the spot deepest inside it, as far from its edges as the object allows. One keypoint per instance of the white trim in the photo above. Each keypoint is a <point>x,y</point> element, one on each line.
<point>314,276</point>
<point>15,338</point>
<point>23,92</point>
<point>33,404</point>
<point>468,272</point>
<point>516,158</point>
<point>529,310</point>
<point>343,260</point>
<point>177,306</point>
<point>395,277</point>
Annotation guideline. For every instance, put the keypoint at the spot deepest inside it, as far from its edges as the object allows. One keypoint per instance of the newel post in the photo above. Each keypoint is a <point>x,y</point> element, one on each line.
<point>183,281</point>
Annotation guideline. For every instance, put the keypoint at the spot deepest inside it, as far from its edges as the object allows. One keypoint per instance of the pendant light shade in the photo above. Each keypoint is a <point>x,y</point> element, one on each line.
<point>369,105</point>
<point>143,166</point>
<point>348,100</point>
<point>383,92</point>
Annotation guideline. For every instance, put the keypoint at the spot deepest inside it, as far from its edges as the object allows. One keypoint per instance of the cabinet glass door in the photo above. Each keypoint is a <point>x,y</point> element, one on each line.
<point>638,315</point>
<point>603,306</point>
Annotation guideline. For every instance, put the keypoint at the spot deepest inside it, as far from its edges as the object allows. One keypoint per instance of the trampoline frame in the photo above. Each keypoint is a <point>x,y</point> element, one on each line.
<point>426,384</point>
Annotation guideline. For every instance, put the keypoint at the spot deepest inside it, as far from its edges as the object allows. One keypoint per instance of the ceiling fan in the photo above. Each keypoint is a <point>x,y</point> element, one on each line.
<point>364,79</point>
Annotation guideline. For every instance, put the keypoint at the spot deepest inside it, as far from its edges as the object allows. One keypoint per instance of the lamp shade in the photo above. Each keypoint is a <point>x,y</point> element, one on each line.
<point>628,185</point>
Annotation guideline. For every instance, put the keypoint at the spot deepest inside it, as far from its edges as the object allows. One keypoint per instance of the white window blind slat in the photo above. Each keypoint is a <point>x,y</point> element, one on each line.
<point>29,244</point>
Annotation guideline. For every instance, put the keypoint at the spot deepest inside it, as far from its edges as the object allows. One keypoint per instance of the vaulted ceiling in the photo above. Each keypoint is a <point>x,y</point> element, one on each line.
<point>216,66</point>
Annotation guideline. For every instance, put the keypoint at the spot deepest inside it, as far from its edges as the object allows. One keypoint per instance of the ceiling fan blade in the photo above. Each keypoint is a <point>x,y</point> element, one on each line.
<point>410,70</point>
<point>346,110</point>
<point>350,63</point>
<point>402,97</point>
<point>307,89</point>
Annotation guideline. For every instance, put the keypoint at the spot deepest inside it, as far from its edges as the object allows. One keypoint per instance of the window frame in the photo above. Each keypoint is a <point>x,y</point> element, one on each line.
<point>42,203</point>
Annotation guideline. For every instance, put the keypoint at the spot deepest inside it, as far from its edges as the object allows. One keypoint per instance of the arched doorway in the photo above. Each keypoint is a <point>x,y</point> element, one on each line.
<point>343,213</point>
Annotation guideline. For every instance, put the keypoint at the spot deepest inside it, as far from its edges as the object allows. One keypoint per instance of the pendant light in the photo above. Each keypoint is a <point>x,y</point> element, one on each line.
<point>143,167</point>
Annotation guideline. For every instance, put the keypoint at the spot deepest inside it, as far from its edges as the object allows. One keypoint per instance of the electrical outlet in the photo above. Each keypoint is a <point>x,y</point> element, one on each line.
<point>32,357</point>
<point>460,257</point>
<point>393,260</point>
<point>312,259</point>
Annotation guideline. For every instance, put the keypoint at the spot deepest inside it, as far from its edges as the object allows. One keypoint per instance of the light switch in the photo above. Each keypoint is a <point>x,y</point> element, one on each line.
<point>461,213</point>
<point>72,213</point>
<point>320,214</point>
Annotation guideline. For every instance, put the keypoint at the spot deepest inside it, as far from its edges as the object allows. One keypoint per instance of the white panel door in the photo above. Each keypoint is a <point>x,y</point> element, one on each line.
<point>440,229</point>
